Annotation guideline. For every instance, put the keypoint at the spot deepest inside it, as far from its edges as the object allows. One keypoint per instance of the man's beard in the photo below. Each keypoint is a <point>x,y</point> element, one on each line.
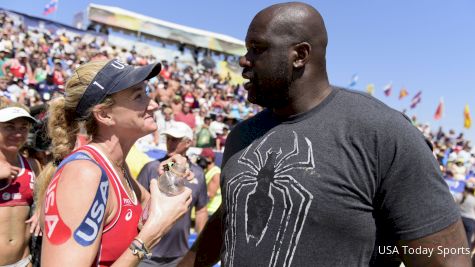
<point>274,93</point>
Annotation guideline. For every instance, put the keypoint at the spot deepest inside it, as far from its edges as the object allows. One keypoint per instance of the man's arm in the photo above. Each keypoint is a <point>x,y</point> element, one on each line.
<point>449,248</point>
<point>207,248</point>
<point>201,217</point>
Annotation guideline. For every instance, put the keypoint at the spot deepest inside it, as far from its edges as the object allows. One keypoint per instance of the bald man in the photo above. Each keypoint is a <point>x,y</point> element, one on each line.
<point>323,176</point>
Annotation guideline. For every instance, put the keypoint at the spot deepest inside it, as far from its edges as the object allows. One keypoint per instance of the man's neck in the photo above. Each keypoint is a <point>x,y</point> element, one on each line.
<point>303,102</point>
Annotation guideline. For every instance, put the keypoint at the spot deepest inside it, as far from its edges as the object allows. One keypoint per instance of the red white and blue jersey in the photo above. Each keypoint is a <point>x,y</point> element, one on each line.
<point>20,191</point>
<point>118,234</point>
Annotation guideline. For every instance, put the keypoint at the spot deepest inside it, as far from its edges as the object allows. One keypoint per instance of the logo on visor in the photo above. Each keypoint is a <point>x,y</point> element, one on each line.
<point>117,64</point>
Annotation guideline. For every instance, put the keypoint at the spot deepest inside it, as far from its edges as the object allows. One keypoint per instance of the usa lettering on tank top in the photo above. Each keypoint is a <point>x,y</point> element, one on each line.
<point>117,234</point>
<point>121,231</point>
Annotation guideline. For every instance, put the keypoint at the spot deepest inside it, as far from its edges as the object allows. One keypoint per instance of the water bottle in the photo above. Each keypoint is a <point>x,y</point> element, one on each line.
<point>172,181</point>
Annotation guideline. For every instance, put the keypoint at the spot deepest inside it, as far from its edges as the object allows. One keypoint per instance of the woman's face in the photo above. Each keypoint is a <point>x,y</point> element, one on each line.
<point>133,111</point>
<point>13,134</point>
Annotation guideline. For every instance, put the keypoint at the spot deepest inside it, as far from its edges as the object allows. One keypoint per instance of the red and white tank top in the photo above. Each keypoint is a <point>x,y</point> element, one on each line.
<point>119,233</point>
<point>20,190</point>
<point>18,70</point>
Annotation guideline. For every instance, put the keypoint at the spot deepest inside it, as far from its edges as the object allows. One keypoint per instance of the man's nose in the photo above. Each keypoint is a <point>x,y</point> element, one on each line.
<point>244,62</point>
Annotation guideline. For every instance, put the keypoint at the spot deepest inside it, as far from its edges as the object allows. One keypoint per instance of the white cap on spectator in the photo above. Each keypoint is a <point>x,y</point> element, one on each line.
<point>22,54</point>
<point>179,129</point>
<point>8,114</point>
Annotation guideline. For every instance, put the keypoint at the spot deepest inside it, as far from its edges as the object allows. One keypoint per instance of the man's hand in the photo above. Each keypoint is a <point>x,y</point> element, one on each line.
<point>188,260</point>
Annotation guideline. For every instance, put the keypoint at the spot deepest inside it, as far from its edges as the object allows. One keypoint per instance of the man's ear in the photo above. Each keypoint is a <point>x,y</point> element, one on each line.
<point>102,115</point>
<point>301,54</point>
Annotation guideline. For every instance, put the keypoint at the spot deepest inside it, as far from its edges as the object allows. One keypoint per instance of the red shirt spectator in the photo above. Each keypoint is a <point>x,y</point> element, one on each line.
<point>186,116</point>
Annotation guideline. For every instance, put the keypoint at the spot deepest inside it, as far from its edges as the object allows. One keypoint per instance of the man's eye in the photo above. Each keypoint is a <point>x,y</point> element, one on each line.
<point>257,49</point>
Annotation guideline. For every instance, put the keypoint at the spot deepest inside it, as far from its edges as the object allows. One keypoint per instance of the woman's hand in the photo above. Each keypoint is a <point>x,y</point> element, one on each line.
<point>8,171</point>
<point>35,228</point>
<point>177,159</point>
<point>164,212</point>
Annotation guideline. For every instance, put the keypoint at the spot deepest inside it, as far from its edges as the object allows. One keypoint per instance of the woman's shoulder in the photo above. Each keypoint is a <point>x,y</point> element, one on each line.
<point>85,170</point>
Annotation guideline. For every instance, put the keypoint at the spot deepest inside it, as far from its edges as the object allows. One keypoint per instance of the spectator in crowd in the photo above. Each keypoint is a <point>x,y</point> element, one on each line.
<point>47,88</point>
<point>19,66</point>
<point>216,126</point>
<point>4,89</point>
<point>58,73</point>
<point>41,71</point>
<point>467,210</point>
<point>221,137</point>
<point>177,105</point>
<point>212,175</point>
<point>204,137</point>
<point>186,116</point>
<point>3,58</point>
<point>174,244</point>
<point>17,180</point>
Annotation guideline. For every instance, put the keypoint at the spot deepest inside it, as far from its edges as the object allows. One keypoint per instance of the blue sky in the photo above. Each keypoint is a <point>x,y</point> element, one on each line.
<point>422,45</point>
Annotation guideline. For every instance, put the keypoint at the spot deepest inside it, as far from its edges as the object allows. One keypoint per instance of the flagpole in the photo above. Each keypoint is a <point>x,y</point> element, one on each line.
<point>56,11</point>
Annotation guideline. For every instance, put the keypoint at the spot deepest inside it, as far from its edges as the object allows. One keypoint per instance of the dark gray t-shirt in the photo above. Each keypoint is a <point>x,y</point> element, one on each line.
<point>326,187</point>
<point>175,242</point>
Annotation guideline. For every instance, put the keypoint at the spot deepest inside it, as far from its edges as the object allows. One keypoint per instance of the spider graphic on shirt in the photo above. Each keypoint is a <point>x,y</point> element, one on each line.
<point>268,179</point>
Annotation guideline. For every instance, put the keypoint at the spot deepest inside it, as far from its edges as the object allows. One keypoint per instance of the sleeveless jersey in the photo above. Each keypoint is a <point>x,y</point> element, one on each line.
<point>18,70</point>
<point>20,191</point>
<point>119,233</point>
<point>215,202</point>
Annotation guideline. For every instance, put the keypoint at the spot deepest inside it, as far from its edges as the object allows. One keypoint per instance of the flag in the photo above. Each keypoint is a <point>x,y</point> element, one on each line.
<point>416,99</point>
<point>403,93</point>
<point>51,7</point>
<point>439,112</point>
<point>387,89</point>
<point>467,122</point>
<point>370,89</point>
<point>353,81</point>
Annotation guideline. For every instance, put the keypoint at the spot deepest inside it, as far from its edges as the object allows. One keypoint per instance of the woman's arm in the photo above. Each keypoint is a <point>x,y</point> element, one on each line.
<point>213,185</point>
<point>74,213</point>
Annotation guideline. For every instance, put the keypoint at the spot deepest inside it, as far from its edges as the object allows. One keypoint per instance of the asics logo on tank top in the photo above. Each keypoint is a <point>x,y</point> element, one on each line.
<point>129,214</point>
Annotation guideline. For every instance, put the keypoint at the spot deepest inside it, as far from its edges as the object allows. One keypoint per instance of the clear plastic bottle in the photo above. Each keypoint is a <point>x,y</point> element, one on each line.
<point>172,181</point>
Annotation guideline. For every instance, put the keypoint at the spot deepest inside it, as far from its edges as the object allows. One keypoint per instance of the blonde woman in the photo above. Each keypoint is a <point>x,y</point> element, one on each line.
<point>17,178</point>
<point>91,207</point>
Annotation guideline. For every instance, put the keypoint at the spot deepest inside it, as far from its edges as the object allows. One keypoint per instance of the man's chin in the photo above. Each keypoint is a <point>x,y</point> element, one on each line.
<point>256,101</point>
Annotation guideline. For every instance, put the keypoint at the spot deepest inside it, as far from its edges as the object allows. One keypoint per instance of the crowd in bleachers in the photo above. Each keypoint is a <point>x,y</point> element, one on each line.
<point>35,63</point>
<point>455,153</point>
